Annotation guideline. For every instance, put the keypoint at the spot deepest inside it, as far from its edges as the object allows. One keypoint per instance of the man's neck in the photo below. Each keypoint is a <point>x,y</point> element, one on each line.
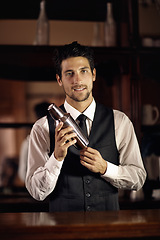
<point>80,106</point>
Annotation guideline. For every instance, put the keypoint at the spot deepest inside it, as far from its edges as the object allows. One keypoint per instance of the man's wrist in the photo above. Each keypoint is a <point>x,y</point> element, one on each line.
<point>58,159</point>
<point>104,169</point>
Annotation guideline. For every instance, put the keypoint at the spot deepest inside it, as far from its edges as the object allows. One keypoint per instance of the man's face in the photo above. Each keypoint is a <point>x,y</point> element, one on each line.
<point>77,79</point>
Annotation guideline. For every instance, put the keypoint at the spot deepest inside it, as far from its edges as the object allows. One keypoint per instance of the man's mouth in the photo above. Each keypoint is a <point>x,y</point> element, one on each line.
<point>79,88</point>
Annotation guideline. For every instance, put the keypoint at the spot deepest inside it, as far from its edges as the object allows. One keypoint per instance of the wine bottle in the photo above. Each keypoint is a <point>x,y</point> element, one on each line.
<point>110,28</point>
<point>42,31</point>
<point>97,36</point>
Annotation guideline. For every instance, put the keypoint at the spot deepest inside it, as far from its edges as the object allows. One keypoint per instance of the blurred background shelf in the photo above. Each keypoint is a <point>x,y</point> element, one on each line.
<point>59,10</point>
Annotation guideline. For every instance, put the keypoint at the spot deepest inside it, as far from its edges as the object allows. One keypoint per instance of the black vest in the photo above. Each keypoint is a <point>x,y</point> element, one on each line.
<point>77,188</point>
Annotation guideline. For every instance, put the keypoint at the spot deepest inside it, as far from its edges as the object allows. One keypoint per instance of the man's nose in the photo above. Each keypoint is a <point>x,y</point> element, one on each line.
<point>77,78</point>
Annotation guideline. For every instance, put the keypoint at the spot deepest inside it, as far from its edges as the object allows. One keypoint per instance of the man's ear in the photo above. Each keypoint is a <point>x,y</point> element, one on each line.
<point>59,80</point>
<point>94,74</point>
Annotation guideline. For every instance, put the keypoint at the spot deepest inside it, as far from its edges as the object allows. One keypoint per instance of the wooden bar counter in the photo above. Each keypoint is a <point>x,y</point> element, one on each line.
<point>124,224</point>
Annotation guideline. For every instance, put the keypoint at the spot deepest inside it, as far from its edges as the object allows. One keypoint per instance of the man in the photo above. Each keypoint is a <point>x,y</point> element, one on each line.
<point>87,179</point>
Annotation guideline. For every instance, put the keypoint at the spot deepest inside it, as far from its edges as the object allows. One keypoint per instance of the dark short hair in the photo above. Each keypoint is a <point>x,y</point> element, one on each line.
<point>72,50</point>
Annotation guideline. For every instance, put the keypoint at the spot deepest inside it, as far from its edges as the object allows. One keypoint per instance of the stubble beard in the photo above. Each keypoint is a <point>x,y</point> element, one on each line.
<point>78,99</point>
<point>73,97</point>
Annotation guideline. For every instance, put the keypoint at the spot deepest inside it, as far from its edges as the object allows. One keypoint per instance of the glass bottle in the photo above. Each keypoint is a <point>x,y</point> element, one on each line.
<point>97,36</point>
<point>110,37</point>
<point>42,31</point>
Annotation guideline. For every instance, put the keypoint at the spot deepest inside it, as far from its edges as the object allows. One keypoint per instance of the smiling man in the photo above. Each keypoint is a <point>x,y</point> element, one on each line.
<point>78,80</point>
<point>86,180</point>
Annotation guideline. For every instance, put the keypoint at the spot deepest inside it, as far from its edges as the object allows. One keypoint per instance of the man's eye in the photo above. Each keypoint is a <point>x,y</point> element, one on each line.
<point>69,73</point>
<point>84,71</point>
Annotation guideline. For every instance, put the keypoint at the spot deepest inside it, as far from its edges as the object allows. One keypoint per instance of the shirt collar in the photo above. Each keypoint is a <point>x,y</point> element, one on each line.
<point>89,112</point>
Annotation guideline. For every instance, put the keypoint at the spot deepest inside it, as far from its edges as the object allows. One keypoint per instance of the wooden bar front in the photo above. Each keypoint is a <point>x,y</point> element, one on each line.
<point>124,224</point>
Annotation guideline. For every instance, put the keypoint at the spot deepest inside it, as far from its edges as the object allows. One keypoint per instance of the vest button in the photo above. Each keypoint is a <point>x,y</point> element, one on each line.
<point>87,181</point>
<point>88,194</point>
<point>88,208</point>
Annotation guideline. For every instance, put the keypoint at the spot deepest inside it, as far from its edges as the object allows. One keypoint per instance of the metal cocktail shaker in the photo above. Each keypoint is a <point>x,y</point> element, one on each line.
<point>58,114</point>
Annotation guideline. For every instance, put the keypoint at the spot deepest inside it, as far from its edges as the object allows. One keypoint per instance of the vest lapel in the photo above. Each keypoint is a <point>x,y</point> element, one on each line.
<point>98,125</point>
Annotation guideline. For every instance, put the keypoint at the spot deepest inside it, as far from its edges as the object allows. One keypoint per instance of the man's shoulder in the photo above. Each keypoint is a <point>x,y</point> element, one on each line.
<point>121,119</point>
<point>118,115</point>
<point>41,123</point>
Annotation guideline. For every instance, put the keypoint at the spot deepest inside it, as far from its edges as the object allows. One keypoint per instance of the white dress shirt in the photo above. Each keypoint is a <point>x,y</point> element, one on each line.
<point>23,158</point>
<point>43,171</point>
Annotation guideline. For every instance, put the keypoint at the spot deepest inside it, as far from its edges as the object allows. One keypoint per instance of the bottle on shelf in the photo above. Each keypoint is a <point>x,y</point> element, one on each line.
<point>42,31</point>
<point>110,34</point>
<point>97,35</point>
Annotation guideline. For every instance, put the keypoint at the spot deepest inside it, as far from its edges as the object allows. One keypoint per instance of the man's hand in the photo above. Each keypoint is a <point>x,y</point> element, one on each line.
<point>92,159</point>
<point>64,138</point>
